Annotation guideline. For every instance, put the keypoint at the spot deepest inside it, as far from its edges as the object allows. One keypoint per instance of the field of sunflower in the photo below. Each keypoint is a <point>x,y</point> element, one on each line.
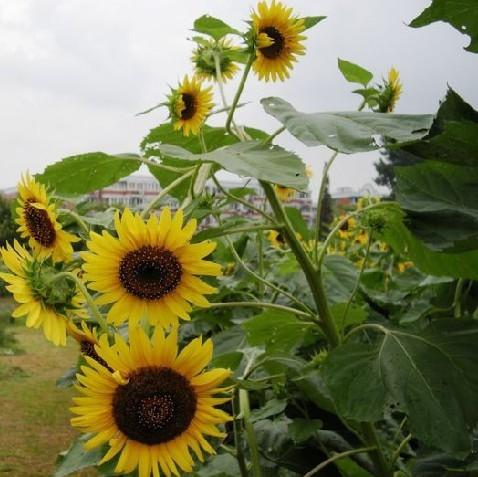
<point>267,347</point>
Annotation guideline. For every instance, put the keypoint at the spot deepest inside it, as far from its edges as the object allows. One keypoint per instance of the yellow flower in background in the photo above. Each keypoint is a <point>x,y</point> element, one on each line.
<point>391,92</point>
<point>154,406</point>
<point>149,270</point>
<point>189,105</point>
<point>38,222</point>
<point>44,304</point>
<point>279,40</point>
<point>402,266</point>
<point>348,228</point>
<point>284,193</point>
<point>276,239</point>
<point>205,63</point>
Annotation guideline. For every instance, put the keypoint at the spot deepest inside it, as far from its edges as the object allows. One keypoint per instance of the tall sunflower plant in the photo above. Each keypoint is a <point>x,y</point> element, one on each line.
<point>261,343</point>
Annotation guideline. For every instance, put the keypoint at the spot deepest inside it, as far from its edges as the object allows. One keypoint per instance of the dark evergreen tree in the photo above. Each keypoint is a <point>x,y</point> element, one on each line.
<point>7,222</point>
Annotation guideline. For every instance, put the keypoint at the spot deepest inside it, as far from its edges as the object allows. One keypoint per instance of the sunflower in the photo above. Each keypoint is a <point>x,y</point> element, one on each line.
<point>154,405</point>
<point>278,40</point>
<point>87,338</point>
<point>391,92</point>
<point>149,270</point>
<point>284,193</point>
<point>38,222</point>
<point>276,240</point>
<point>348,228</point>
<point>189,105</point>
<point>205,63</point>
<point>45,304</point>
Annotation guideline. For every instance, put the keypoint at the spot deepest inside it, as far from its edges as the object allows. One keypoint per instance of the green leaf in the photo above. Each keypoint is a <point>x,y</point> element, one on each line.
<point>348,132</point>
<point>310,22</point>
<point>354,73</point>
<point>77,458</point>
<point>302,429</point>
<point>460,14</point>
<point>279,331</point>
<point>340,276</point>
<point>442,204</point>
<point>214,27</point>
<point>355,314</point>
<point>298,222</point>
<point>271,408</point>
<point>250,159</point>
<point>452,137</point>
<point>222,465</point>
<point>456,265</point>
<point>430,376</point>
<point>88,172</point>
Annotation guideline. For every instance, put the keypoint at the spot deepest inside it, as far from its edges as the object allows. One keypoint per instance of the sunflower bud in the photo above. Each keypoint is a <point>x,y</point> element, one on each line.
<point>209,52</point>
<point>390,92</point>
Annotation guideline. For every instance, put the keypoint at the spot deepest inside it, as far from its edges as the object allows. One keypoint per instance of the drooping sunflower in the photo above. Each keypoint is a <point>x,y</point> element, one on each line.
<point>285,193</point>
<point>87,338</point>
<point>276,240</point>
<point>38,222</point>
<point>189,105</point>
<point>149,270</point>
<point>279,40</point>
<point>153,405</point>
<point>45,304</point>
<point>204,60</point>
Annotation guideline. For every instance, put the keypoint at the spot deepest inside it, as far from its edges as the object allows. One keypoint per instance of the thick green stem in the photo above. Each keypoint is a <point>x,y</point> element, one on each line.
<point>320,201</point>
<point>166,191</point>
<point>260,258</point>
<point>311,273</point>
<point>258,304</point>
<point>237,431</point>
<point>457,298</point>
<point>239,91</point>
<point>250,435</point>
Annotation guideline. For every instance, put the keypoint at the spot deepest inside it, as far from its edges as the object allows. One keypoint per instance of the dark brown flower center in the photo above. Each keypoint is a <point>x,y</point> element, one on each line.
<point>189,106</point>
<point>87,348</point>
<point>155,406</point>
<point>274,50</point>
<point>150,272</point>
<point>39,224</point>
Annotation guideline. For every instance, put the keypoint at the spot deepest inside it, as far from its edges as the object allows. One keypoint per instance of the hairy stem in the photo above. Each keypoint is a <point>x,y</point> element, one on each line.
<point>77,219</point>
<point>237,431</point>
<point>258,304</point>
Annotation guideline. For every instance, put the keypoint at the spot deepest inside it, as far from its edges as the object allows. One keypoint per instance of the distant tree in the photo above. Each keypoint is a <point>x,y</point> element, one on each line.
<point>327,212</point>
<point>385,167</point>
<point>7,222</point>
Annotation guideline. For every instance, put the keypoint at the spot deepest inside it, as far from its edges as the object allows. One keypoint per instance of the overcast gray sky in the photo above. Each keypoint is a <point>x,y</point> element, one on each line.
<point>74,72</point>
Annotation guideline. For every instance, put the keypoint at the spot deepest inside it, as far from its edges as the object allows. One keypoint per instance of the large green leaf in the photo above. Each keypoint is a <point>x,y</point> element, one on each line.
<point>452,137</point>
<point>399,237</point>
<point>340,277</point>
<point>213,27</point>
<point>88,172</point>
<point>222,465</point>
<point>165,134</point>
<point>76,458</point>
<point>461,14</point>
<point>347,132</point>
<point>430,376</point>
<point>354,73</point>
<point>250,159</point>
<point>442,202</point>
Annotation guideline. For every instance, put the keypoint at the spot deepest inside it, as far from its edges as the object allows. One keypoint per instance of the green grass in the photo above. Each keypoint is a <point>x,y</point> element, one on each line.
<point>34,413</point>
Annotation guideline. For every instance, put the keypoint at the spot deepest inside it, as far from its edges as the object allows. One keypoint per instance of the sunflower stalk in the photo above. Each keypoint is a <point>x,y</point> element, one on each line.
<point>239,91</point>
<point>250,434</point>
<point>89,299</point>
<point>76,217</point>
<point>165,192</point>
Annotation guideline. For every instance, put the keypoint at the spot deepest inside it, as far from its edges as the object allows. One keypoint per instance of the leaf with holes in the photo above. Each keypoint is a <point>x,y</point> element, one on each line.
<point>431,376</point>
<point>348,132</point>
